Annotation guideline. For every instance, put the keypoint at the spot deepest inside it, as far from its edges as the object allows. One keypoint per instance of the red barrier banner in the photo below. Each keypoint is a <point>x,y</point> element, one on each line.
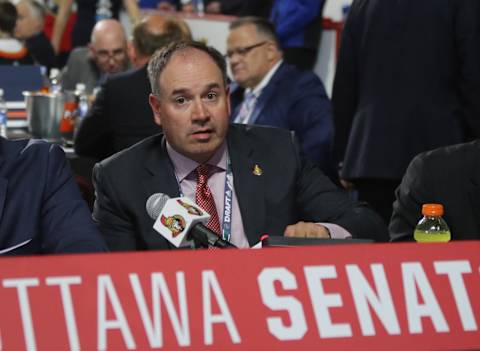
<point>342,297</point>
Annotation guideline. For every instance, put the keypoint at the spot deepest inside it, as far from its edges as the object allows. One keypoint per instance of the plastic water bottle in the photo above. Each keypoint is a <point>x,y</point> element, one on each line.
<point>199,7</point>
<point>3,115</point>
<point>55,86</point>
<point>82,99</point>
<point>104,10</point>
<point>432,228</point>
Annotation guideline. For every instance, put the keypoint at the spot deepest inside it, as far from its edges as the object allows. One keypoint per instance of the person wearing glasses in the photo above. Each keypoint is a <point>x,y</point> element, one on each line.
<point>268,91</point>
<point>106,54</point>
<point>252,180</point>
<point>121,115</point>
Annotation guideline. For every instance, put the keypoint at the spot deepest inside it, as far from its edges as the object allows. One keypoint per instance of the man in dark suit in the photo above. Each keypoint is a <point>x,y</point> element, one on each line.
<point>121,115</point>
<point>449,176</point>
<point>271,92</point>
<point>41,209</point>
<point>407,81</point>
<point>273,188</point>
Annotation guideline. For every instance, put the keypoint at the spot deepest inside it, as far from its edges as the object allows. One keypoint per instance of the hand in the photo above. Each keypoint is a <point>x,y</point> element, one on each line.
<point>306,230</point>
<point>213,7</point>
<point>347,185</point>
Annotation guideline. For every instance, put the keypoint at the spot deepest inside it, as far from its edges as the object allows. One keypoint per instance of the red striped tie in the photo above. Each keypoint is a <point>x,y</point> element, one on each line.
<point>204,197</point>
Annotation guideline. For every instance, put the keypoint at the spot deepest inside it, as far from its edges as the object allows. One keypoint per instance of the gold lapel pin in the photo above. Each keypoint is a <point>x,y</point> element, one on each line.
<point>257,170</point>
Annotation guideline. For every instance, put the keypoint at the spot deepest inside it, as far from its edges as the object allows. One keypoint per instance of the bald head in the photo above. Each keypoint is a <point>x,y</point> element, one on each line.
<point>108,30</point>
<point>108,46</point>
<point>155,32</point>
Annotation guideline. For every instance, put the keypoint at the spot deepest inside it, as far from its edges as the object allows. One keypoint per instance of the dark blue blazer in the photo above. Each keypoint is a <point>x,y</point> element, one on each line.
<point>295,100</point>
<point>41,210</point>
<point>407,81</point>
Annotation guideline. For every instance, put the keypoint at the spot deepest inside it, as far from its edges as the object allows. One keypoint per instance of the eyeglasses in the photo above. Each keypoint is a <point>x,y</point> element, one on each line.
<point>243,51</point>
<point>104,55</point>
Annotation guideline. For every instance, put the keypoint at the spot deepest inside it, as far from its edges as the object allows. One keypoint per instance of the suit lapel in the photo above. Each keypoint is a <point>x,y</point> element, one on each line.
<point>249,188</point>
<point>236,99</point>
<point>162,177</point>
<point>266,94</point>
<point>3,196</point>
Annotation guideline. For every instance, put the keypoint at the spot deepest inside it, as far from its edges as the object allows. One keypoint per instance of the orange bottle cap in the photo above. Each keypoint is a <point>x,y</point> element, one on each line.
<point>432,210</point>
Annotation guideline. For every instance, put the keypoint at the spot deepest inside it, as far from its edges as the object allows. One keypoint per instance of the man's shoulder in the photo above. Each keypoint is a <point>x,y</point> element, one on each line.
<point>135,154</point>
<point>444,161</point>
<point>254,134</point>
<point>78,54</point>
<point>129,75</point>
<point>291,79</point>
<point>35,149</point>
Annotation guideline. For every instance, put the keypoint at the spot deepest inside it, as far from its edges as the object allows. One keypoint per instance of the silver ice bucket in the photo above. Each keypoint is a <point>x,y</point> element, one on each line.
<point>44,113</point>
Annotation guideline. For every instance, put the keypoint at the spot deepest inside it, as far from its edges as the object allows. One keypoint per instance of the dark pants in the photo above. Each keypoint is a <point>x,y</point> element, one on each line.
<point>379,193</point>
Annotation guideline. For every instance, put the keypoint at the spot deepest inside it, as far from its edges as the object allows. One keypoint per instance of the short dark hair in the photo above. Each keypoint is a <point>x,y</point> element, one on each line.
<point>146,42</point>
<point>262,25</point>
<point>8,16</point>
<point>160,59</point>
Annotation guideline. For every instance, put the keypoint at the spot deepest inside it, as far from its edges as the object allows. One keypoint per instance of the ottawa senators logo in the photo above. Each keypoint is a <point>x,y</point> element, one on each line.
<point>176,224</point>
<point>190,209</point>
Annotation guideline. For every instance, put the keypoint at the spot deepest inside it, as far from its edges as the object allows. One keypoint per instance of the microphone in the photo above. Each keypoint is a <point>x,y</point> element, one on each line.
<point>181,221</point>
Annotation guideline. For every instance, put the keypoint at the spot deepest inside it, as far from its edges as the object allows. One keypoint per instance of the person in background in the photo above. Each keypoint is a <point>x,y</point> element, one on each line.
<point>12,51</point>
<point>406,82</point>
<point>268,91</point>
<point>121,115</point>
<point>298,24</point>
<point>449,176</point>
<point>42,210</point>
<point>272,188</point>
<point>225,7</point>
<point>29,29</point>
<point>89,12</point>
<point>260,8</point>
<point>106,54</point>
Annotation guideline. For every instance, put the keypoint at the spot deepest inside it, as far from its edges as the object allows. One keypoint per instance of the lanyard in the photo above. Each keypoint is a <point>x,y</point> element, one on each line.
<point>227,203</point>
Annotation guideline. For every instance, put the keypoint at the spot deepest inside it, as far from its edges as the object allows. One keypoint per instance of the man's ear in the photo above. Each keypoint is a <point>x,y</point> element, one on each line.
<point>272,51</point>
<point>228,100</point>
<point>155,105</point>
<point>132,54</point>
<point>91,50</point>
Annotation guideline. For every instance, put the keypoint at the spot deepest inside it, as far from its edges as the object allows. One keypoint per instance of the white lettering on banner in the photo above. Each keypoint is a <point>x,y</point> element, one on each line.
<point>210,283</point>
<point>322,302</point>
<point>454,271</point>
<point>414,276</point>
<point>298,325</point>
<point>160,290</point>
<point>381,302</point>
<point>64,284</point>
<point>105,288</point>
<point>22,285</point>
<point>228,206</point>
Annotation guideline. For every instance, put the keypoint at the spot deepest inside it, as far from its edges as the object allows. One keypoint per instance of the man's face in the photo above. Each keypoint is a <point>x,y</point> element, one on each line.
<point>193,107</point>
<point>248,55</point>
<point>110,54</point>
<point>27,25</point>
